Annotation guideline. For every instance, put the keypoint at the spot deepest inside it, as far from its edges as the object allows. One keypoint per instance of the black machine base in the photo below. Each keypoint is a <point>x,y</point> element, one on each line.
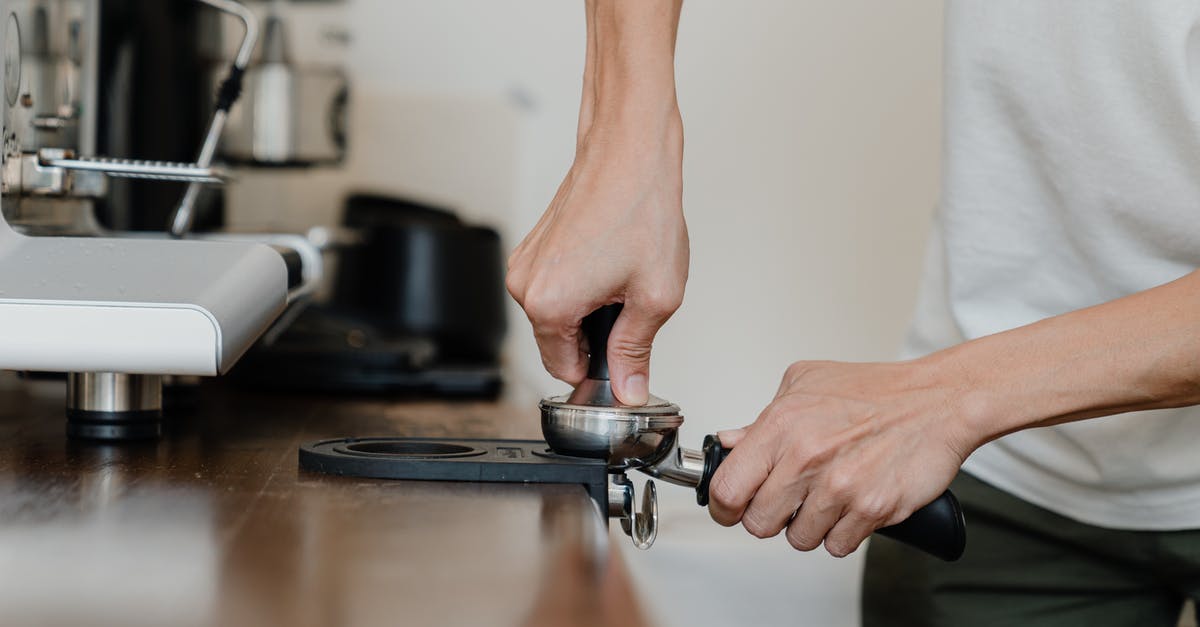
<point>437,459</point>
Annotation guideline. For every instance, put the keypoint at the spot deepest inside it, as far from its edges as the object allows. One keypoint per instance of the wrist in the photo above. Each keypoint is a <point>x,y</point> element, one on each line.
<point>632,114</point>
<point>642,143</point>
<point>1006,382</point>
<point>974,412</point>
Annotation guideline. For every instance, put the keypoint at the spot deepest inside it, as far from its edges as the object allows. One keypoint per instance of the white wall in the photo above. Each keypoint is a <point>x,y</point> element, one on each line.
<point>811,171</point>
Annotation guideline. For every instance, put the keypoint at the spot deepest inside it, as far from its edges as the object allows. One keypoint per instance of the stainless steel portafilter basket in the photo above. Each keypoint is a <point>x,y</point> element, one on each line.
<point>590,422</point>
<point>625,437</point>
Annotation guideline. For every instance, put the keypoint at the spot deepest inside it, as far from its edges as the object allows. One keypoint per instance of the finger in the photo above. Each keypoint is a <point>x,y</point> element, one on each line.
<point>774,505</point>
<point>556,329</point>
<point>812,523</point>
<point>739,477</point>
<point>730,438</point>
<point>848,534</point>
<point>629,352</point>
<point>562,353</point>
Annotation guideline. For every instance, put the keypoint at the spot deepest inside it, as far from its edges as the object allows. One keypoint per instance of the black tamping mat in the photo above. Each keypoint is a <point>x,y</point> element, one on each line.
<point>440,459</point>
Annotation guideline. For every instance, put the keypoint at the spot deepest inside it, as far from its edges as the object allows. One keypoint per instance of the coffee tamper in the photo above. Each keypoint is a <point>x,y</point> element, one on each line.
<point>591,423</point>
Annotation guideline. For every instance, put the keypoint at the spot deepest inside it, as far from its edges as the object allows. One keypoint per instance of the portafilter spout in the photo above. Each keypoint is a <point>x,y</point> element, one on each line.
<point>590,422</point>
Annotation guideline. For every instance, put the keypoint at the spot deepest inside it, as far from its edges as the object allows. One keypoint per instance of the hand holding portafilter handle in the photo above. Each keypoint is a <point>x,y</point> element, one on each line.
<point>938,529</point>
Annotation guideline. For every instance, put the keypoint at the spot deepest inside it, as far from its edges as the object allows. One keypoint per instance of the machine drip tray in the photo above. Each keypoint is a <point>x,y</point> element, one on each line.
<point>438,459</point>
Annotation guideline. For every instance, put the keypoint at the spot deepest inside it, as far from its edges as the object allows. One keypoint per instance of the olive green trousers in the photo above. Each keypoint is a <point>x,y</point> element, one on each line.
<point>1027,566</point>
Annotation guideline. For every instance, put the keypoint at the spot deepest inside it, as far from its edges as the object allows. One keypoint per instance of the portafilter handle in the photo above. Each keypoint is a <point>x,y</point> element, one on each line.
<point>938,529</point>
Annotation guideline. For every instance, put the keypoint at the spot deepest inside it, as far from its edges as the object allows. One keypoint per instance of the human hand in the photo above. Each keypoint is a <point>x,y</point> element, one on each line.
<point>614,232</point>
<point>843,450</point>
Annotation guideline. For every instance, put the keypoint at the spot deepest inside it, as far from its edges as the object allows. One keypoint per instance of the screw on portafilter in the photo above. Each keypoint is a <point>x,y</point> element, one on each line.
<point>591,422</point>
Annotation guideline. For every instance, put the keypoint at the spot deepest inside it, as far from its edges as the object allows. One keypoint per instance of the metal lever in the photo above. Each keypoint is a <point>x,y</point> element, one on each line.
<point>181,221</point>
<point>133,168</point>
<point>641,526</point>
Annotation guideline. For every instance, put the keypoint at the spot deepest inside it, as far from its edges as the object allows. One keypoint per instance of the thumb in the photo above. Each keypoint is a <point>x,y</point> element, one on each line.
<point>731,437</point>
<point>629,354</point>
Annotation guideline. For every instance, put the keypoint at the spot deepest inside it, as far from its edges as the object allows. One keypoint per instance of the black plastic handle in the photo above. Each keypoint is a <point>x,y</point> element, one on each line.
<point>596,327</point>
<point>938,529</point>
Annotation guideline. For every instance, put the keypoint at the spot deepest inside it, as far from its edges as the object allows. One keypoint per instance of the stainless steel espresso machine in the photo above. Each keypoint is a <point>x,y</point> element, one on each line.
<point>117,311</point>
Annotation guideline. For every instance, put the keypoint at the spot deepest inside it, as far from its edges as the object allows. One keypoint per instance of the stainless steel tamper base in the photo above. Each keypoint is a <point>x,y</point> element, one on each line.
<point>591,423</point>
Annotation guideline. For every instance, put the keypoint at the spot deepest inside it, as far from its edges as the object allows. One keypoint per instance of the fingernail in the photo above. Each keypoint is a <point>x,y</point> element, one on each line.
<point>636,390</point>
<point>730,437</point>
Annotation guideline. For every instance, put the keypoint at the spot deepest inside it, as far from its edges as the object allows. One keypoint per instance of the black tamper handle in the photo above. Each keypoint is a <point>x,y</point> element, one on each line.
<point>937,529</point>
<point>596,327</point>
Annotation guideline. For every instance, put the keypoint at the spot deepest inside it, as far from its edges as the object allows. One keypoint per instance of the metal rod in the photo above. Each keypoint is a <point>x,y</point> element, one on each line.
<point>681,466</point>
<point>184,216</point>
<point>249,20</point>
<point>135,168</point>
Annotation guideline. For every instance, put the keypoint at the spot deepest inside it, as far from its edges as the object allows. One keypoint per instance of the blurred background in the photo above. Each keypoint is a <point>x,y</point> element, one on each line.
<point>810,176</point>
<point>811,171</point>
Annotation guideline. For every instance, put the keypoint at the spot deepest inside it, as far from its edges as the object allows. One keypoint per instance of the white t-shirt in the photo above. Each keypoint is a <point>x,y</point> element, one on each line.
<point>1072,177</point>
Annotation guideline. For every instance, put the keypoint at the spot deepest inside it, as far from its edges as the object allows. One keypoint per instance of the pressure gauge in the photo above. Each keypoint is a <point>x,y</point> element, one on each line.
<point>12,60</point>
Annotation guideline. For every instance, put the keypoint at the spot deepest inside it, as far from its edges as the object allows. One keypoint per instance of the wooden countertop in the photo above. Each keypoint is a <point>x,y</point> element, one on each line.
<point>216,525</point>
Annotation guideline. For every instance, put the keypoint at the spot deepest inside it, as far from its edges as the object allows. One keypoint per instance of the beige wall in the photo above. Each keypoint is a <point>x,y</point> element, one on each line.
<point>811,171</point>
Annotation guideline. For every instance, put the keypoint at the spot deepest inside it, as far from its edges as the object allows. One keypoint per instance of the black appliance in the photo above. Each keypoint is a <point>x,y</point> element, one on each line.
<point>417,308</point>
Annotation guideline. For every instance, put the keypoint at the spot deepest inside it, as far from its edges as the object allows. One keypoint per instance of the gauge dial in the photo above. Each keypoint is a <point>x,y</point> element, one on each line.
<point>12,60</point>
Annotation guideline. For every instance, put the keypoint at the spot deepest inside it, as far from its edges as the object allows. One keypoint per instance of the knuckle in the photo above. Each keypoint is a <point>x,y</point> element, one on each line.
<point>662,303</point>
<point>552,367</point>
<point>776,418</point>
<point>840,485</point>
<point>839,547</point>
<point>756,525</point>
<point>894,515</point>
<point>722,493</point>
<point>542,308</point>
<point>874,509</point>
<point>514,285</point>
<point>629,350</point>
<point>796,371</point>
<point>721,517</point>
<point>807,372</point>
<point>800,540</point>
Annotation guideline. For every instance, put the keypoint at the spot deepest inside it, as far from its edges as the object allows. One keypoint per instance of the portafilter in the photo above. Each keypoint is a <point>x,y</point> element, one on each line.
<point>590,422</point>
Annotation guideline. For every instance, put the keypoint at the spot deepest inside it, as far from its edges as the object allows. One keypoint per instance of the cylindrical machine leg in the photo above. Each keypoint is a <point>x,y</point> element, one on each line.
<point>114,406</point>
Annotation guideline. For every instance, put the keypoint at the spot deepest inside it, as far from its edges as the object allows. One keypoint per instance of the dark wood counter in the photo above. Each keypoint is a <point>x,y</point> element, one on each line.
<point>216,525</point>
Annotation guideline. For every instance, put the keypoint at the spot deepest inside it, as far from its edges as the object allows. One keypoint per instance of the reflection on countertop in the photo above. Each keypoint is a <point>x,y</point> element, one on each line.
<point>215,524</point>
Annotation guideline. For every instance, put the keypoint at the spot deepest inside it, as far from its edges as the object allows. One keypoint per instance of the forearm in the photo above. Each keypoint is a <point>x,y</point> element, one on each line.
<point>587,104</point>
<point>629,73</point>
<point>614,231</point>
<point>1133,353</point>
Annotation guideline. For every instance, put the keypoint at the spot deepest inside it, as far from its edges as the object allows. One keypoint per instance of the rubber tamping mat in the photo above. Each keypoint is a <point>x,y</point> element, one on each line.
<point>437,459</point>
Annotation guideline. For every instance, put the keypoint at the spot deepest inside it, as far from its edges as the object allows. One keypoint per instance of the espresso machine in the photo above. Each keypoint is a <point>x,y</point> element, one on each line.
<point>118,311</point>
